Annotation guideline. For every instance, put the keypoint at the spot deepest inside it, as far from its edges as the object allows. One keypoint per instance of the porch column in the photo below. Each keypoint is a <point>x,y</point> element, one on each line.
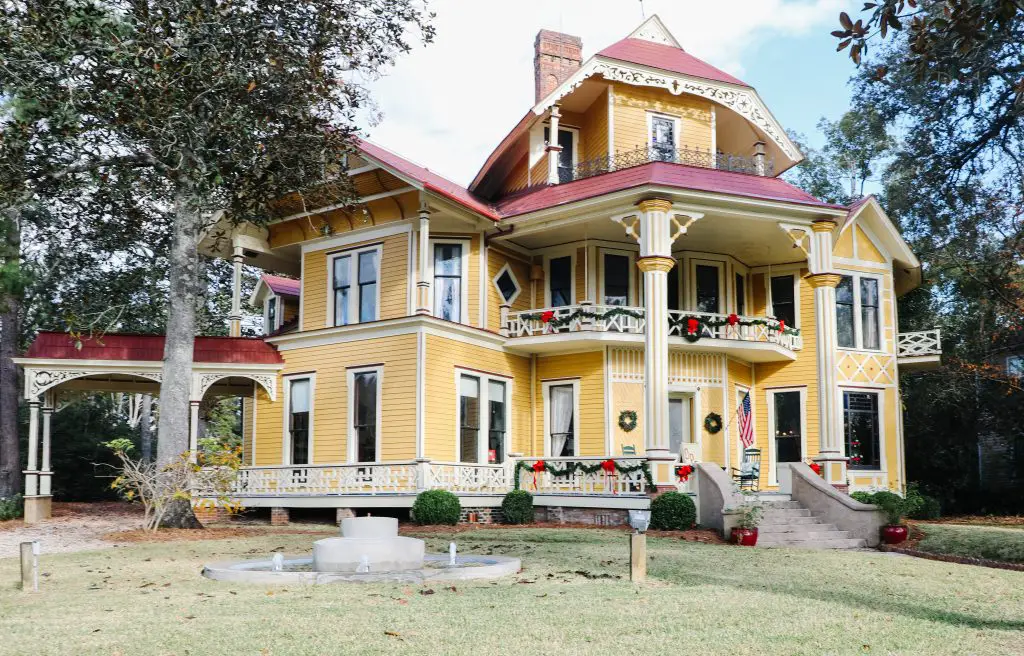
<point>44,472</point>
<point>37,484</point>
<point>659,227</point>
<point>423,280</point>
<point>831,452</point>
<point>553,149</point>
<point>32,471</point>
<point>235,318</point>
<point>193,430</point>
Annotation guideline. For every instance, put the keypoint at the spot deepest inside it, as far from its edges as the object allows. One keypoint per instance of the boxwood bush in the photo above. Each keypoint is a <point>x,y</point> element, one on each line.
<point>436,507</point>
<point>517,507</point>
<point>673,511</point>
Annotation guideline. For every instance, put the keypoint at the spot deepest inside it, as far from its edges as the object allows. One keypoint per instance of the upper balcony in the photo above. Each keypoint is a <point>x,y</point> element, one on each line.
<point>918,351</point>
<point>548,330</point>
<point>757,164</point>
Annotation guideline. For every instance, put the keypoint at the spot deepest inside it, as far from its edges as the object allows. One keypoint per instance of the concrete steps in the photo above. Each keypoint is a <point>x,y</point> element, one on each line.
<point>788,524</point>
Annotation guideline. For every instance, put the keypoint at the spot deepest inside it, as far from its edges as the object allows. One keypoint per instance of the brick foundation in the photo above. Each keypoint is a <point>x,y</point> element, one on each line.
<point>594,516</point>
<point>211,514</point>
<point>483,515</point>
<point>278,516</point>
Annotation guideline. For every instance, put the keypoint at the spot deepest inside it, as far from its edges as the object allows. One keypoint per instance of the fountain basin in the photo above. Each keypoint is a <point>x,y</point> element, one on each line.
<point>366,545</point>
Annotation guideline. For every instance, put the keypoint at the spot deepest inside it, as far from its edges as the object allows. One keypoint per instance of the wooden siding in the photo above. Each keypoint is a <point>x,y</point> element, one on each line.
<point>394,280</point>
<point>844,245</point>
<point>632,105</point>
<point>247,408</point>
<point>397,356</point>
<point>589,369</point>
<point>866,249</point>
<point>594,129</point>
<point>440,409</point>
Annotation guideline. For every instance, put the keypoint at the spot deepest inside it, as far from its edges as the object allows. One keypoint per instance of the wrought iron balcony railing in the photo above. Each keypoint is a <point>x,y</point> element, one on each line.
<point>754,165</point>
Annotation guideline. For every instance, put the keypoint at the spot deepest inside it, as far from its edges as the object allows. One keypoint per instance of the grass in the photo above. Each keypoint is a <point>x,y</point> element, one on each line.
<point>573,597</point>
<point>1006,544</point>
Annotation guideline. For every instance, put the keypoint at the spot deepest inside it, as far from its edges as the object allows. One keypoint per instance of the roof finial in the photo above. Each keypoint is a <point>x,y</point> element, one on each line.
<point>643,14</point>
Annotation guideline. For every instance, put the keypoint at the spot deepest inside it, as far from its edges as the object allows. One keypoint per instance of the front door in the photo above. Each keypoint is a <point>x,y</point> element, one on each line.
<point>788,433</point>
<point>680,422</point>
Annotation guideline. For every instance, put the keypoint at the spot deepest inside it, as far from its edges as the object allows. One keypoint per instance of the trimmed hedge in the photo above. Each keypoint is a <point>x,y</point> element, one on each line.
<point>673,511</point>
<point>436,507</point>
<point>517,507</point>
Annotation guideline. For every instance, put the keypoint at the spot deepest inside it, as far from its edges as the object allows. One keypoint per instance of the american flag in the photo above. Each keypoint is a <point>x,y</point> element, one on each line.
<point>746,423</point>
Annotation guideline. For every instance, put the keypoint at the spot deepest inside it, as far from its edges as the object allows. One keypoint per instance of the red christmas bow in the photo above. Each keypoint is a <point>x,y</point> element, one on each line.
<point>816,468</point>
<point>683,472</point>
<point>782,326</point>
<point>537,468</point>
<point>608,466</point>
<point>733,319</point>
<point>691,326</point>
<point>546,317</point>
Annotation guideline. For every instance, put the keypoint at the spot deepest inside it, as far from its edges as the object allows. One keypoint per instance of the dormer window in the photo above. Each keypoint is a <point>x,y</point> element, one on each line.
<point>567,138</point>
<point>663,131</point>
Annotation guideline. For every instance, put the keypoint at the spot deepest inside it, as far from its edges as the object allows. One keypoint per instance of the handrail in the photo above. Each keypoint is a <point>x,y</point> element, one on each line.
<point>919,343</point>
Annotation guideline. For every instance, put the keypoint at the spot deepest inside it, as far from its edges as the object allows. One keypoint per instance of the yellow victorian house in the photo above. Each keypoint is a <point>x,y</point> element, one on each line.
<point>626,293</point>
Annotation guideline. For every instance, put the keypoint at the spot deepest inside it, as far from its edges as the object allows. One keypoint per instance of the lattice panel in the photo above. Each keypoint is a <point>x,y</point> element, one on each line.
<point>866,368</point>
<point>684,368</point>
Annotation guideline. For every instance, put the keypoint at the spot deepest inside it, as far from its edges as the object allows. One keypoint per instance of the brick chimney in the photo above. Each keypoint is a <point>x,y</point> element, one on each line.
<point>557,56</point>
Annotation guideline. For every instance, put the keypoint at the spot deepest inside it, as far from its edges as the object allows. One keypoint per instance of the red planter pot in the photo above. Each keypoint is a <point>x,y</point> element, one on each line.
<point>894,534</point>
<point>745,537</point>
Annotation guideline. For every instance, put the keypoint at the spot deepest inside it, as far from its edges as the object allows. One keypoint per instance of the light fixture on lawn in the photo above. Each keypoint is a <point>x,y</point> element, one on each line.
<point>640,520</point>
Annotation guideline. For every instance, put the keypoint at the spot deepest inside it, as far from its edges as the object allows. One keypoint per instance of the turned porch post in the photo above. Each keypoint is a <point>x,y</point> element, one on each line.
<point>656,226</point>
<point>553,148</point>
<point>423,280</point>
<point>193,430</point>
<point>32,470</point>
<point>235,318</point>
<point>44,473</point>
<point>831,451</point>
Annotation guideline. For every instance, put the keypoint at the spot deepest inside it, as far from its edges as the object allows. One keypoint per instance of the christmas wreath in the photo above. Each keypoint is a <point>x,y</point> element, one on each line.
<point>627,420</point>
<point>713,422</point>
<point>608,467</point>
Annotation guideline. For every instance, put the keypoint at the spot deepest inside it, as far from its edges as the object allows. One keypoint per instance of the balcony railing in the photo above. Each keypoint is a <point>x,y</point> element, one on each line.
<point>754,165</point>
<point>919,344</point>
<point>621,319</point>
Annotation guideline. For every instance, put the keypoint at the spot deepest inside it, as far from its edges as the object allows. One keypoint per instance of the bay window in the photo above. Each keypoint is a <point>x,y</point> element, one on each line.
<point>858,313</point>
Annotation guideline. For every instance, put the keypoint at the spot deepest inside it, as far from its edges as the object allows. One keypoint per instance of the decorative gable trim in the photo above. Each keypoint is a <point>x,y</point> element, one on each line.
<point>654,30</point>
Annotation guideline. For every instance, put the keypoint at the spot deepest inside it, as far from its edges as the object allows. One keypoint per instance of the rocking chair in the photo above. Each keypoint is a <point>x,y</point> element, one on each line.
<point>748,476</point>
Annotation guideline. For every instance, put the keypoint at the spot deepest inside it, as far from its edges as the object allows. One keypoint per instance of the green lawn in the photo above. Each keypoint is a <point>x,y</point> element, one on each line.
<point>570,599</point>
<point>974,541</point>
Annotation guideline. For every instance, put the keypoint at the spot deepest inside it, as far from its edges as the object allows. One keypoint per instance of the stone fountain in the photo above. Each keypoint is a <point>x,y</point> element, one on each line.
<point>369,542</point>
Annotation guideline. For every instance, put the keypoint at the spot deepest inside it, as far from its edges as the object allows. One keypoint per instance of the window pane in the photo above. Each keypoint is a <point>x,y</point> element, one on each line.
<point>469,418</point>
<point>860,425</point>
<point>663,139</point>
<point>616,279</point>
<point>869,312</point>
<point>507,286</point>
<point>708,298</point>
<point>844,290</point>
<point>447,301</point>
<point>271,315</point>
<point>787,427</point>
<point>496,422</point>
<point>844,313</point>
<point>341,306</point>
<point>560,270</point>
<point>673,288</point>
<point>365,415</point>
<point>368,267</point>
<point>342,266</point>
<point>741,294</point>
<point>299,396</point>
<point>448,259</point>
<point>783,300</point>
<point>368,302</point>
<point>298,422</point>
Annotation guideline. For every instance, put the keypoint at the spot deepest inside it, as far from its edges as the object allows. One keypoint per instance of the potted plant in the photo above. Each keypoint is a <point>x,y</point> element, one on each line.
<point>745,531</point>
<point>895,508</point>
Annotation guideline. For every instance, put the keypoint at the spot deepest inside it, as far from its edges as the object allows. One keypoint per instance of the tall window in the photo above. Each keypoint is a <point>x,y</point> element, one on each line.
<point>469,418</point>
<point>784,299</point>
<point>846,334</point>
<point>565,158</point>
<point>860,424</point>
<point>673,288</point>
<point>562,427</point>
<point>678,423</point>
<point>448,281</point>
<point>663,138</point>
<point>869,312</point>
<point>496,421</point>
<point>741,294</point>
<point>788,431</point>
<point>354,281</point>
<point>364,415</point>
<point>298,420</point>
<point>271,315</point>
<point>709,297</point>
<point>616,279</point>
<point>560,280</point>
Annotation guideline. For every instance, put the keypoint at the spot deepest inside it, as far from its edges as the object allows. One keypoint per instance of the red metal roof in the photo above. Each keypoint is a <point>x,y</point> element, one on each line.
<point>430,180</point>
<point>282,285</point>
<point>135,348</point>
<point>668,58</point>
<point>659,173</point>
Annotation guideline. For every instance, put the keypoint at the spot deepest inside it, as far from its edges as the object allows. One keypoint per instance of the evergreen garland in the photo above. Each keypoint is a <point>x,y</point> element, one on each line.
<point>549,317</point>
<point>681,322</point>
<point>572,467</point>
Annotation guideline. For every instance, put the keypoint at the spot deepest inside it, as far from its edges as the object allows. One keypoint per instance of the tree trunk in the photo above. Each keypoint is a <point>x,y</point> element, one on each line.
<point>146,427</point>
<point>176,387</point>
<point>10,391</point>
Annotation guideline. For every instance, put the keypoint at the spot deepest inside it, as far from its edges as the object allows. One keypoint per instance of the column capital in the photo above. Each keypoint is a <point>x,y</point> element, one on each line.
<point>655,205</point>
<point>816,280</point>
<point>824,225</point>
<point>655,263</point>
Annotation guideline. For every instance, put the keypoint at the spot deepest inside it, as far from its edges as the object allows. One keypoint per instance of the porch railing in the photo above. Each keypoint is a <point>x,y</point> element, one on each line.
<point>327,480</point>
<point>599,483</point>
<point>746,329</point>
<point>752,165</point>
<point>920,343</point>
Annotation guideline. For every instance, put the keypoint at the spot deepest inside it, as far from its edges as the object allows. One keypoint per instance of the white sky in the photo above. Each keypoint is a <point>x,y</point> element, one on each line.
<point>446,106</point>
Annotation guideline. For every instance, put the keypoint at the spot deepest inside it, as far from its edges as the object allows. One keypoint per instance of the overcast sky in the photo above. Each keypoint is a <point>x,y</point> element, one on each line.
<point>447,105</point>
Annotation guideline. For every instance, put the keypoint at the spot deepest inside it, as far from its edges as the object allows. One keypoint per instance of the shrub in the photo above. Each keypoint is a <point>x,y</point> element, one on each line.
<point>924,506</point>
<point>673,511</point>
<point>436,507</point>
<point>893,505</point>
<point>11,507</point>
<point>863,497</point>
<point>517,507</point>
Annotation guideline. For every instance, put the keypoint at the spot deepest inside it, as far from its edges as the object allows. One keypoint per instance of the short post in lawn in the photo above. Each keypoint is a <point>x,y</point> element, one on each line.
<point>639,520</point>
<point>30,566</point>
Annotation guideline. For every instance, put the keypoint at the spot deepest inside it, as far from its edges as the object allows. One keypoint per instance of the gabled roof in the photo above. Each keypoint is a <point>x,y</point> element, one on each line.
<point>660,173</point>
<point>666,58</point>
<point>141,348</point>
<point>281,285</point>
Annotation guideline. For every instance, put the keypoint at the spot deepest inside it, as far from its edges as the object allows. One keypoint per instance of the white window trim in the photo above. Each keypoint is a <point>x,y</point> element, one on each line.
<point>696,430</point>
<point>675,129</point>
<point>880,394</point>
<point>286,442</point>
<point>631,299</point>
<point>546,392</point>
<point>278,317</point>
<point>723,296</point>
<point>743,272</point>
<point>769,304</point>
<point>353,297</point>
<point>572,275</point>
<point>484,420</point>
<point>464,281</point>
<point>350,375</point>
<point>515,281</point>
<point>575,139</point>
<point>858,326</point>
<point>773,473</point>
